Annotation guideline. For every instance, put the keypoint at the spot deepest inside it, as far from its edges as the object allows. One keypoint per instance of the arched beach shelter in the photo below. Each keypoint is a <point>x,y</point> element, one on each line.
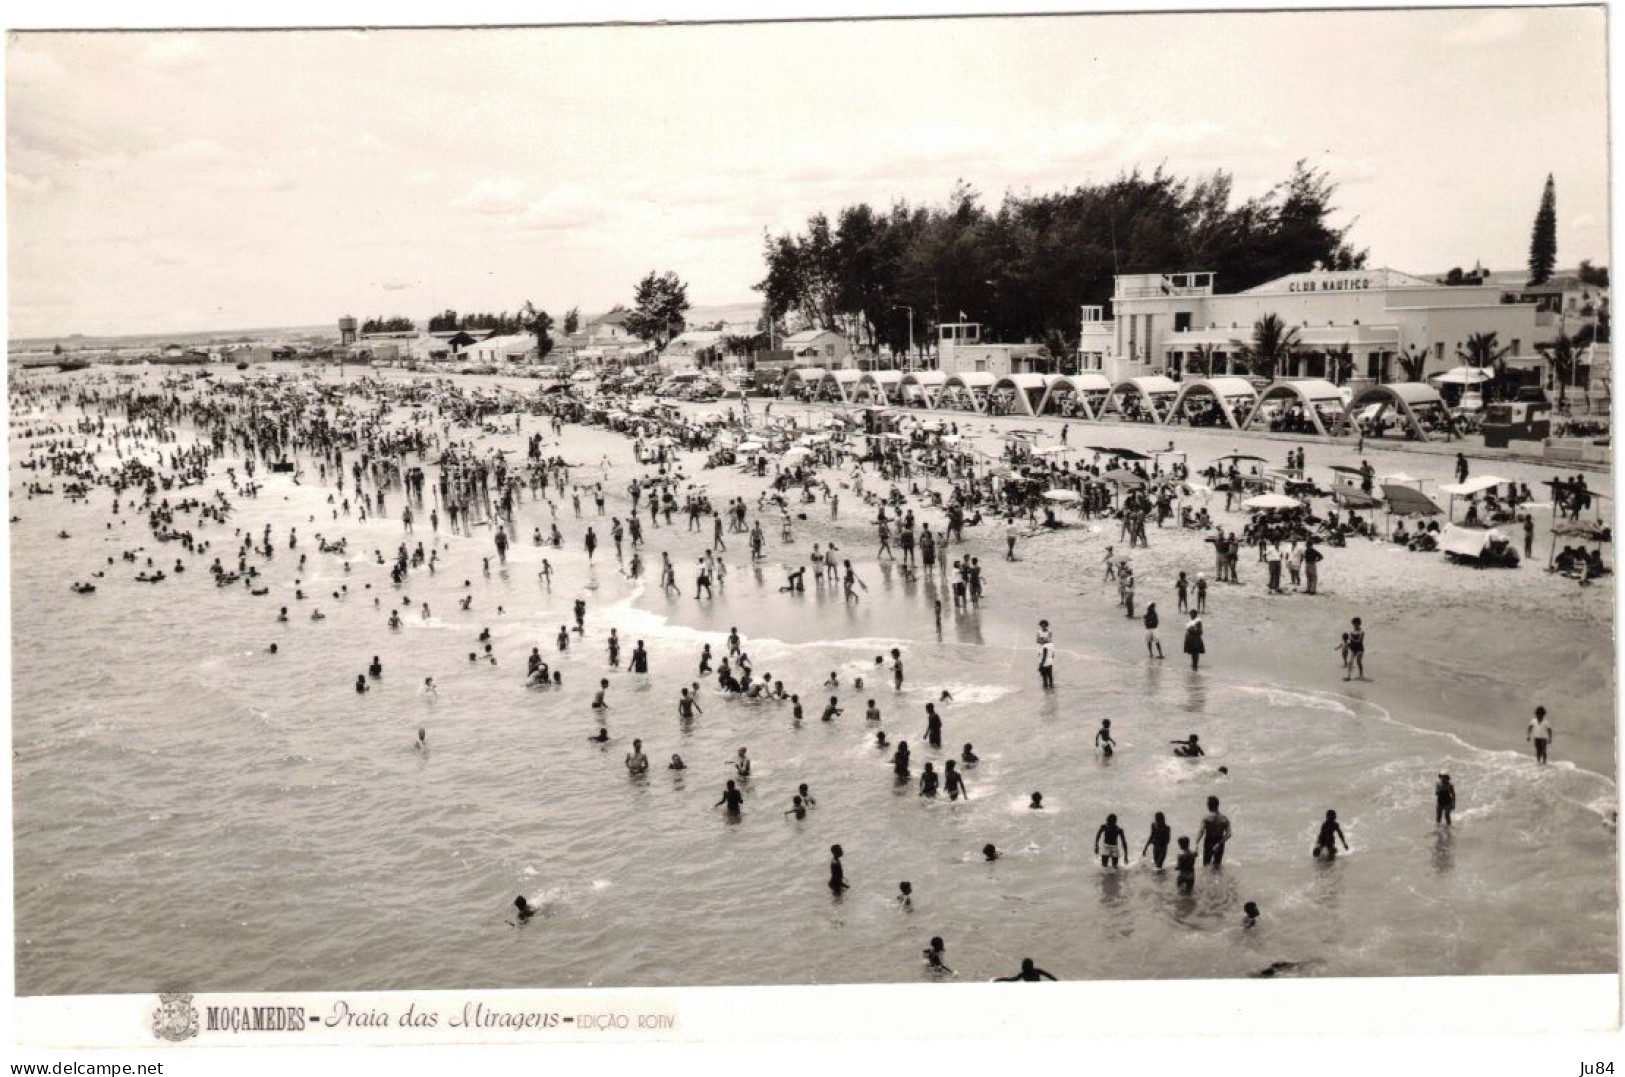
<point>1026,392</point>
<point>967,391</point>
<point>801,384</point>
<point>1320,401</point>
<point>878,387</point>
<point>1232,396</point>
<point>837,386</point>
<point>1074,394</point>
<point>1153,392</point>
<point>921,387</point>
<point>1415,403</point>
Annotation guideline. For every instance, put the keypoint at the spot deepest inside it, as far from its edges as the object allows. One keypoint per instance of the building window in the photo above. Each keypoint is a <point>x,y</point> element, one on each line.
<point>1182,320</point>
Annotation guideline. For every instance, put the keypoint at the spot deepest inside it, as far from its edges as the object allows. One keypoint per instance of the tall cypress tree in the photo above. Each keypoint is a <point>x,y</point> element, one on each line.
<point>1543,241</point>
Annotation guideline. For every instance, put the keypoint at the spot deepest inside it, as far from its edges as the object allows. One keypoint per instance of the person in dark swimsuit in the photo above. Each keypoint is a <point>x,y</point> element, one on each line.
<point>953,782</point>
<point>1185,866</point>
<point>732,797</point>
<point>1157,842</point>
<point>837,874</point>
<point>1330,834</point>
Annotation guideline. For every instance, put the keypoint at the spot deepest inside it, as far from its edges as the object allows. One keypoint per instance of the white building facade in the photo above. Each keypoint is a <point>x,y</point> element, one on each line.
<point>1175,323</point>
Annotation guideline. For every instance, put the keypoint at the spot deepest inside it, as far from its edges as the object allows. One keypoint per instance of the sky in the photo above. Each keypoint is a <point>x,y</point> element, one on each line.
<point>201,181</point>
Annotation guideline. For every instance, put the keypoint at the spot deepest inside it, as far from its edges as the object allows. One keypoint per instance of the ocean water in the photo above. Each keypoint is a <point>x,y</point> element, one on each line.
<point>195,813</point>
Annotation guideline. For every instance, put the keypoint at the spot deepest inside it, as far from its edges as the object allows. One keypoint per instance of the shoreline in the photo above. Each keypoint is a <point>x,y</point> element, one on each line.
<point>1418,672</point>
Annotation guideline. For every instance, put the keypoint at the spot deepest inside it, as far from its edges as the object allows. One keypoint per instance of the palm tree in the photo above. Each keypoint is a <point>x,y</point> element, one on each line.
<point>1340,363</point>
<point>1564,355</point>
<point>1203,356</point>
<point>1482,353</point>
<point>1273,344</point>
<point>1413,361</point>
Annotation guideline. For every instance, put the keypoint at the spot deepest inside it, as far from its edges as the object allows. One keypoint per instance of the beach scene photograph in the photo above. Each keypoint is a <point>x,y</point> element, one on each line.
<point>861,502</point>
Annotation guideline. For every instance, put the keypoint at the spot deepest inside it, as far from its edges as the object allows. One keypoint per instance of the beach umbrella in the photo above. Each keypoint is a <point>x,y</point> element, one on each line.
<point>750,446</point>
<point>1062,495</point>
<point>1123,477</point>
<point>1579,529</point>
<point>1404,501</point>
<point>1271,502</point>
<point>1051,450</point>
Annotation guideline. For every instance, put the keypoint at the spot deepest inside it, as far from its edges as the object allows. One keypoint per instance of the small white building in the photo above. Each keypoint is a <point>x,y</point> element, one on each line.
<point>961,351</point>
<point>693,349</point>
<point>512,348</point>
<point>818,347</point>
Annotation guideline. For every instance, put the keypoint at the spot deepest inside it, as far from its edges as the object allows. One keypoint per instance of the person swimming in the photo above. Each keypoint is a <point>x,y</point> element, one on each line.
<point>1249,914</point>
<point>798,807</point>
<point>422,743</point>
<point>953,783</point>
<point>969,757</point>
<point>600,737</point>
<point>990,852</point>
<point>928,781</point>
<point>636,761</point>
<point>676,763</point>
<point>1037,803</point>
<point>523,909</point>
<point>1189,748</point>
<point>905,894</point>
<point>1103,738</point>
<point>934,954</point>
<point>1030,973</point>
<point>806,795</point>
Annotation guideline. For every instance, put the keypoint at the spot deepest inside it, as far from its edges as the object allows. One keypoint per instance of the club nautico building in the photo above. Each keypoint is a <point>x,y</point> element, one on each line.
<point>1171,323</point>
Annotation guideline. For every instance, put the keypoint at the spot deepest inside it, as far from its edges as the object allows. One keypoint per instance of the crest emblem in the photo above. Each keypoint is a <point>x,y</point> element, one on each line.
<point>175,1019</point>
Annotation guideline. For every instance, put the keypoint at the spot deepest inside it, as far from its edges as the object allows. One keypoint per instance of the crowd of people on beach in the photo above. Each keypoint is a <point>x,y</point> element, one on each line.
<point>189,458</point>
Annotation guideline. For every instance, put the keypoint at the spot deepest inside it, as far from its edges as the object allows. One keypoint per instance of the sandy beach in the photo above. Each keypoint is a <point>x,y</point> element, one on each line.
<point>1463,651</point>
<point>196,740</point>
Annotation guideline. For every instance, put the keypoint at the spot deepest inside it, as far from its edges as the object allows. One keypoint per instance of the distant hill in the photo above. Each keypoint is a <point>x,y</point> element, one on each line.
<point>77,342</point>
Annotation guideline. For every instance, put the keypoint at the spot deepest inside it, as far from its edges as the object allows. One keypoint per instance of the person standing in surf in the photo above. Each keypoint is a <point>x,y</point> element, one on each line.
<point>1194,646</point>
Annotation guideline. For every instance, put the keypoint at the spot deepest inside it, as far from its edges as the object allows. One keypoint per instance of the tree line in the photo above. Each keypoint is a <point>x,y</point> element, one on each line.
<point>1024,269</point>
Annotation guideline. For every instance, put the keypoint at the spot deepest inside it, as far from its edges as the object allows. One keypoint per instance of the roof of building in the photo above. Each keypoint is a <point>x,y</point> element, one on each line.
<point>511,343</point>
<point>698,338</point>
<point>807,336</point>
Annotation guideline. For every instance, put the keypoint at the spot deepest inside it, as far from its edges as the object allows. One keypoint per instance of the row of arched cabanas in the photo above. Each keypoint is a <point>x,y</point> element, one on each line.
<point>1311,406</point>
